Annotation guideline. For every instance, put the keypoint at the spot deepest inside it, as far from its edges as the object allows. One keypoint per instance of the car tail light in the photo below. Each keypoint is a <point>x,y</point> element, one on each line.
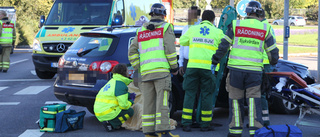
<point>61,62</point>
<point>103,66</point>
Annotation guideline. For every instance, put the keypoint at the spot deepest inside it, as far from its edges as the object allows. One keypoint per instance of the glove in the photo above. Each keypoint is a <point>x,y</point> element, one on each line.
<point>213,68</point>
<point>132,96</point>
<point>281,84</point>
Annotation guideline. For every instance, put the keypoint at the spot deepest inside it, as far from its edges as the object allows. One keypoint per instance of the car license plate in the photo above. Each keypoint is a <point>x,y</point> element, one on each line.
<point>54,64</point>
<point>76,76</point>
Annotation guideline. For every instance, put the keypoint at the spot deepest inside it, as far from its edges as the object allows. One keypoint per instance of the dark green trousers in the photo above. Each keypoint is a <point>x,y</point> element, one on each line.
<point>123,116</point>
<point>193,78</point>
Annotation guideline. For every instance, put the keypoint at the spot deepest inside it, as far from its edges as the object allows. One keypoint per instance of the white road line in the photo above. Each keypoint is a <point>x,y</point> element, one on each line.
<point>9,103</point>
<point>31,133</point>
<point>33,72</point>
<point>2,88</point>
<point>31,90</point>
<point>13,80</point>
<point>18,61</point>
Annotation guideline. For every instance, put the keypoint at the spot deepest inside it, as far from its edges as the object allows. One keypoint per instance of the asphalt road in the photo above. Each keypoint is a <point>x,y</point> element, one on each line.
<point>22,94</point>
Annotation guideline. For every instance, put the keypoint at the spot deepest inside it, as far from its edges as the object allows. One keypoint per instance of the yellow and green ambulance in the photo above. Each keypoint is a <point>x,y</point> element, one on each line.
<point>68,18</point>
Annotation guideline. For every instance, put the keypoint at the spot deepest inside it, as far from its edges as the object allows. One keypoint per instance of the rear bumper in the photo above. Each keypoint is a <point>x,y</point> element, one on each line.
<point>43,62</point>
<point>76,95</point>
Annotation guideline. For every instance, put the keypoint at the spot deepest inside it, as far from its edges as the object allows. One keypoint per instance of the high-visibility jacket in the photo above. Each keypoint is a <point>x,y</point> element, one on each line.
<point>6,37</point>
<point>248,44</point>
<point>152,55</point>
<point>265,56</point>
<point>203,41</point>
<point>112,98</point>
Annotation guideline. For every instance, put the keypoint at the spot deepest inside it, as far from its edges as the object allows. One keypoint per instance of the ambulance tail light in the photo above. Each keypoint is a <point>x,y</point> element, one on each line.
<point>103,66</point>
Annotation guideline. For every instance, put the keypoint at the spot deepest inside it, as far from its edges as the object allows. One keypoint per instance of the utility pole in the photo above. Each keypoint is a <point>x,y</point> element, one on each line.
<point>286,30</point>
<point>231,3</point>
<point>318,81</point>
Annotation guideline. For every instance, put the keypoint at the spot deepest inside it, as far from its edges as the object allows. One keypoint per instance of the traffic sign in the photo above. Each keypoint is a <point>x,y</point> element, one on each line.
<point>241,7</point>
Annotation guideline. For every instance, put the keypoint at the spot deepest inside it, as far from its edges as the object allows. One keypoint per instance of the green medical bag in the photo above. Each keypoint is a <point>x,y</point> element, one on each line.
<point>48,116</point>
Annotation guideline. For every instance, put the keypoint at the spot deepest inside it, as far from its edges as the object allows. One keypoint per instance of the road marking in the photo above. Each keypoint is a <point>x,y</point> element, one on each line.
<point>2,88</point>
<point>13,80</point>
<point>33,72</point>
<point>31,133</point>
<point>31,90</point>
<point>9,103</point>
<point>18,61</point>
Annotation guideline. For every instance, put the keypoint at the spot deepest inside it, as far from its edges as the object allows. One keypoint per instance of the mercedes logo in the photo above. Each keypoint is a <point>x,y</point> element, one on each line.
<point>61,47</point>
<point>75,63</point>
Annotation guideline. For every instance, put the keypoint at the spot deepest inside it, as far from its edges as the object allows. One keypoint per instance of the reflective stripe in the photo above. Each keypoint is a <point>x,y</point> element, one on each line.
<point>206,112</point>
<point>206,118</point>
<point>172,55</point>
<point>227,39</point>
<point>200,61</point>
<point>187,110</point>
<point>154,60</point>
<point>158,114</point>
<point>235,131</point>
<point>265,111</point>
<point>47,129</point>
<point>165,98</point>
<point>134,56</point>
<point>148,116</point>
<point>271,47</point>
<point>236,113</point>
<point>265,118</point>
<point>104,112</point>
<point>186,116</point>
<point>52,112</point>
<point>160,47</point>
<point>247,67</point>
<point>146,124</point>
<point>158,122</point>
<point>127,116</point>
<point>153,71</point>
<point>238,23</point>
<point>121,120</point>
<point>252,132</point>
<point>247,59</point>
<point>203,46</point>
<point>173,62</point>
<point>107,101</point>
<point>247,47</point>
<point>6,32</point>
<point>251,113</point>
<point>5,37</point>
<point>135,63</point>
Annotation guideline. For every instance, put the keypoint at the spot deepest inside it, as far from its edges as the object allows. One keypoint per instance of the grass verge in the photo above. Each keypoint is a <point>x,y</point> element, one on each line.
<point>304,39</point>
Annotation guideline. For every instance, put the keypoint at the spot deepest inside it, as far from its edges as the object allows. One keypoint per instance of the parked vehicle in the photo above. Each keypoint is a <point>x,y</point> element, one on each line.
<point>86,66</point>
<point>68,18</point>
<point>293,21</point>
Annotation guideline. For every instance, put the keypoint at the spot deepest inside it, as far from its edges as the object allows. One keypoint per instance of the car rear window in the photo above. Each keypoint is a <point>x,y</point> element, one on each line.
<point>98,45</point>
<point>299,17</point>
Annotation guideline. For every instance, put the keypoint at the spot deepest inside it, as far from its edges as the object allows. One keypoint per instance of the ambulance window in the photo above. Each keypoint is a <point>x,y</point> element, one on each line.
<point>118,9</point>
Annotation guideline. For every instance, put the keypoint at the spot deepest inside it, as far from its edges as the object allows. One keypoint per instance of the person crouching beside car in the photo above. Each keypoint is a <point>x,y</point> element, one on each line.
<point>113,103</point>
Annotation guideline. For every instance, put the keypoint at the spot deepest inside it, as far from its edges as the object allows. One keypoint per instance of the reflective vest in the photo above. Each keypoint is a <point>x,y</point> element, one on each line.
<point>248,44</point>
<point>112,98</point>
<point>6,34</point>
<point>203,44</point>
<point>152,55</point>
<point>265,56</point>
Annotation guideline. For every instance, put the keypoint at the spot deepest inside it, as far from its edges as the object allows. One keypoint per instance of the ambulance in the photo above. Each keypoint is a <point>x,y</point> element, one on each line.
<point>68,18</point>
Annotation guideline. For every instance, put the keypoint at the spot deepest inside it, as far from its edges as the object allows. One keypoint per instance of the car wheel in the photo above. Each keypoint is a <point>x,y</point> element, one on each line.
<point>275,23</point>
<point>292,24</point>
<point>45,74</point>
<point>282,106</point>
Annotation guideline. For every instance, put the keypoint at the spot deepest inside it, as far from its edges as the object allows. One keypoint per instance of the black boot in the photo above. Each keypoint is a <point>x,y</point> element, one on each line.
<point>107,126</point>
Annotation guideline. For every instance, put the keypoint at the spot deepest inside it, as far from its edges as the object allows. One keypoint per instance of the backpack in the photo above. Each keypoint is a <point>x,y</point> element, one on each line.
<point>48,116</point>
<point>278,131</point>
<point>69,120</point>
